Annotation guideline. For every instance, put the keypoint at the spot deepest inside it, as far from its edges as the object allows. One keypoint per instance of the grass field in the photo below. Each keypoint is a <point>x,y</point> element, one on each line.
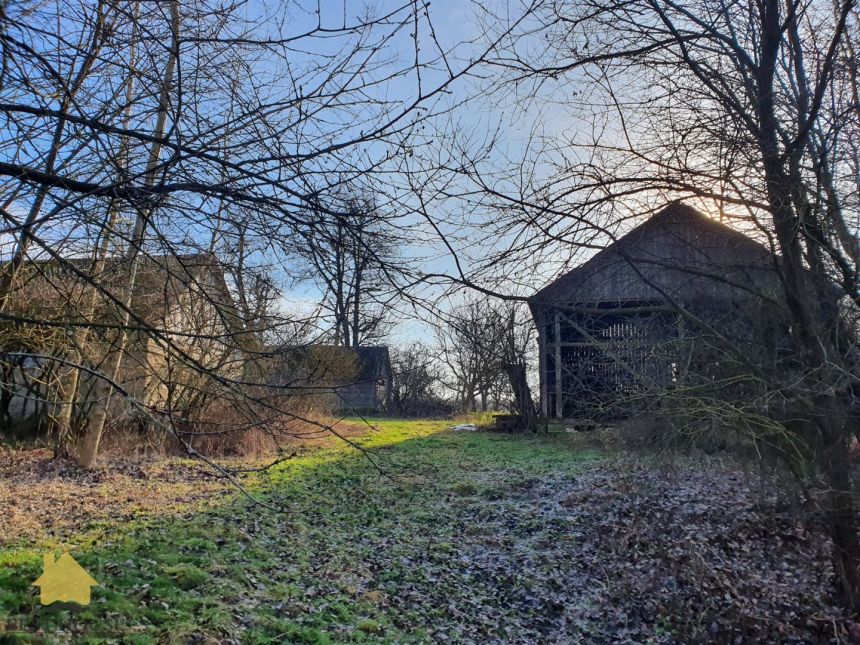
<point>347,548</point>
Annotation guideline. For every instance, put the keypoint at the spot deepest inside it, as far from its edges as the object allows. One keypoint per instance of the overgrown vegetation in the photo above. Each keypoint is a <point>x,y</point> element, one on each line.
<point>309,569</point>
<point>458,536</point>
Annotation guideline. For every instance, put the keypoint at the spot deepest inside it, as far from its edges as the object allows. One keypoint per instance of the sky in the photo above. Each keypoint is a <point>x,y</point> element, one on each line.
<point>458,31</point>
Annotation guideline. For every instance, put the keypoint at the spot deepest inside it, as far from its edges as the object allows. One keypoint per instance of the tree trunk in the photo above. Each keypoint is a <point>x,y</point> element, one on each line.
<point>844,528</point>
<point>104,387</point>
<point>67,388</point>
<point>842,512</point>
<point>522,395</point>
<point>469,401</point>
<point>806,306</point>
<point>70,377</point>
<point>6,394</point>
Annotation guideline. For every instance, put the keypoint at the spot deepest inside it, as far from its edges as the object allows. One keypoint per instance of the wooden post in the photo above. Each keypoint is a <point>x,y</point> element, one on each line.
<point>542,350</point>
<point>559,402</point>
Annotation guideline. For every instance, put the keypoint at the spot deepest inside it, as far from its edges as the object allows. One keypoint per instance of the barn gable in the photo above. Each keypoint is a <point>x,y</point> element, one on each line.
<point>343,378</point>
<point>678,252</point>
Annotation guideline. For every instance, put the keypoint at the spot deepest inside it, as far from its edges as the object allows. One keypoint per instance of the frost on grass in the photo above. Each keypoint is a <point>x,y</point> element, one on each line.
<point>470,538</point>
<point>623,554</point>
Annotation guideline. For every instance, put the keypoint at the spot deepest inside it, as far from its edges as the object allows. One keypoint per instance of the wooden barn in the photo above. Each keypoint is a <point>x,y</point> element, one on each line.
<point>370,389</point>
<point>645,313</point>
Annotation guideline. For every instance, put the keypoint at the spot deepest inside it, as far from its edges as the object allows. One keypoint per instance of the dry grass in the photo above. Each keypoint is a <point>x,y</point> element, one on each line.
<point>47,499</point>
<point>288,434</point>
<point>44,499</point>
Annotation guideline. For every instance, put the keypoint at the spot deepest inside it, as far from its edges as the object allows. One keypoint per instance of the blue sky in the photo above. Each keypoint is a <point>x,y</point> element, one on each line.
<point>457,32</point>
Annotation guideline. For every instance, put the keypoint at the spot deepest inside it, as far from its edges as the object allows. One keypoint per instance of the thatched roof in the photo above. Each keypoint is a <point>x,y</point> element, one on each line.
<point>678,252</point>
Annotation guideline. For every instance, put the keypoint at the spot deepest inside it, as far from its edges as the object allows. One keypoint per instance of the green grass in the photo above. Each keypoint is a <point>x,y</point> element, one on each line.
<point>343,539</point>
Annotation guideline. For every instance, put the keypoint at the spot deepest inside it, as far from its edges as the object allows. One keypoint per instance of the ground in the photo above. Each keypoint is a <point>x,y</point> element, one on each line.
<point>435,536</point>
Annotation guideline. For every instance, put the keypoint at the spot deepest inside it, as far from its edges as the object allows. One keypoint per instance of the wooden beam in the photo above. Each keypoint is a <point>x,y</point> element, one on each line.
<point>542,350</point>
<point>598,312</point>
<point>603,344</point>
<point>559,402</point>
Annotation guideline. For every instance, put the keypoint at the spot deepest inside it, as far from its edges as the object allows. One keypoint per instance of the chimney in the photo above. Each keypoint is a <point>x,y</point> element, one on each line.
<point>48,561</point>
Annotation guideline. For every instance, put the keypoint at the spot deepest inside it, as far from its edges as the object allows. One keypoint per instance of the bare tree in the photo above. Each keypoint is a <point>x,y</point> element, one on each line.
<point>516,338</point>
<point>89,447</point>
<point>415,380</point>
<point>484,345</point>
<point>136,134</point>
<point>468,349</point>
<point>350,254</point>
<point>748,109</point>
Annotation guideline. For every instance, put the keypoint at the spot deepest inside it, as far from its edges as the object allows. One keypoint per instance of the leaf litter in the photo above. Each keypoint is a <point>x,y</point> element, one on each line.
<point>478,538</point>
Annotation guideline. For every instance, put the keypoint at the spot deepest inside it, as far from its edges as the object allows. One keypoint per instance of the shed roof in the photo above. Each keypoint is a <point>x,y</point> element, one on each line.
<point>677,252</point>
<point>333,363</point>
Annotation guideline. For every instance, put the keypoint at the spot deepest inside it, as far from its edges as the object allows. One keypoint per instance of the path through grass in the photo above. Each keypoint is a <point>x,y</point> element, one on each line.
<point>354,552</point>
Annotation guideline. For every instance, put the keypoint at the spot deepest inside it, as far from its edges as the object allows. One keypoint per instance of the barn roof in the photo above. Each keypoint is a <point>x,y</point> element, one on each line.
<point>373,360</point>
<point>677,252</point>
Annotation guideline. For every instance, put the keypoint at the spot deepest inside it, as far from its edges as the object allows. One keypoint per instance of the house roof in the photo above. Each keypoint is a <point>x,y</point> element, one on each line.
<point>56,284</point>
<point>678,252</point>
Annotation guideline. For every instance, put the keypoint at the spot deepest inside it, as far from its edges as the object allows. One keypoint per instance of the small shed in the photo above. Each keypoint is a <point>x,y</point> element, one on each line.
<point>370,389</point>
<point>612,326</point>
<point>338,378</point>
